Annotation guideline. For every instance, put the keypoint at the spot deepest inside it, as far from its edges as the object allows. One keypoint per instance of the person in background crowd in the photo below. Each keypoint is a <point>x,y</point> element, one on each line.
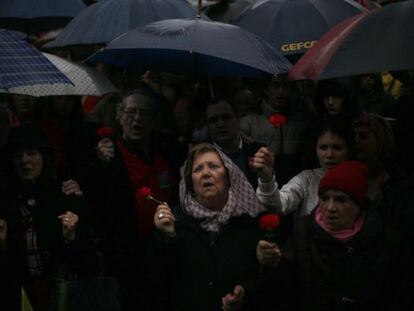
<point>280,99</point>
<point>44,225</point>
<point>223,128</point>
<point>370,95</point>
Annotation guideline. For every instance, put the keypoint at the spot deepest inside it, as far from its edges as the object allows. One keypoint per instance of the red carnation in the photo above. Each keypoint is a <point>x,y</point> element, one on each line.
<point>277,120</point>
<point>269,224</point>
<point>104,131</point>
<point>144,193</point>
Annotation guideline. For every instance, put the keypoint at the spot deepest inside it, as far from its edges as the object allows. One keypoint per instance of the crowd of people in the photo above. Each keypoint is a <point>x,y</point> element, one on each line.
<point>161,188</point>
<point>332,166</point>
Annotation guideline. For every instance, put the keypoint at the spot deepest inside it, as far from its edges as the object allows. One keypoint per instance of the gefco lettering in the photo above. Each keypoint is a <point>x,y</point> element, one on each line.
<point>291,47</point>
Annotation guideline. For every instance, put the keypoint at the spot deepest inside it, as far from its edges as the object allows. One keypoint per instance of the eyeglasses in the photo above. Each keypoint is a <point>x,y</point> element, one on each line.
<point>143,113</point>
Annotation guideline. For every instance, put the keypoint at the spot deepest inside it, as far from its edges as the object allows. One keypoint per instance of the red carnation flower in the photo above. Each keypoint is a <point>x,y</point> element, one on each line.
<point>269,222</point>
<point>144,193</point>
<point>277,120</point>
<point>104,132</point>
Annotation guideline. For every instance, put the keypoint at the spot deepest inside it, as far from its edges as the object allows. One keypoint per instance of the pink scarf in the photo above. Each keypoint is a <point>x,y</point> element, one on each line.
<point>341,235</point>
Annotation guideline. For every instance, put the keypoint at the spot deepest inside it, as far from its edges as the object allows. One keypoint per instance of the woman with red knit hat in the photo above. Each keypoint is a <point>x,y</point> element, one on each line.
<point>343,256</point>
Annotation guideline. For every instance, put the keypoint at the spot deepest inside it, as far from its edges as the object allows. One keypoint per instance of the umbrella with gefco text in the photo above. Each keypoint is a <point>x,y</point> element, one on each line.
<point>293,26</point>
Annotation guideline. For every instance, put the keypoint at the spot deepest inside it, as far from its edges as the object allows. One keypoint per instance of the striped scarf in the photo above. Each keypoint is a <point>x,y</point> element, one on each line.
<point>34,261</point>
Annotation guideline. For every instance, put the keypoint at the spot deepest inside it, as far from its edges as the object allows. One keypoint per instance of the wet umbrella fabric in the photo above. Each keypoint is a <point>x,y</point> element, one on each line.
<point>21,64</point>
<point>85,80</point>
<point>371,42</point>
<point>31,16</point>
<point>106,20</point>
<point>293,26</point>
<point>195,47</point>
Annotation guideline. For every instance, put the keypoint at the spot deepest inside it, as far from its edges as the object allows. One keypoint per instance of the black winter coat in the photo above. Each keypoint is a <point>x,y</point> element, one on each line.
<point>200,269</point>
<point>373,271</point>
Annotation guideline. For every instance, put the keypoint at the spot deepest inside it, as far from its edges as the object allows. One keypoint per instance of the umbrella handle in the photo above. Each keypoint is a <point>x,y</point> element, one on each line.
<point>199,8</point>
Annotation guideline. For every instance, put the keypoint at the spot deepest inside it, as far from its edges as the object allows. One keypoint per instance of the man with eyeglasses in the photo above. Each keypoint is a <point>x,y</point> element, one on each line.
<point>117,170</point>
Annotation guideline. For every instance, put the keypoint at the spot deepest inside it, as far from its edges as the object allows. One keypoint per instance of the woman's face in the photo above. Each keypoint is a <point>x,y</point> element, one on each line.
<point>333,104</point>
<point>28,165</point>
<point>210,180</point>
<point>331,149</point>
<point>338,210</point>
<point>366,144</point>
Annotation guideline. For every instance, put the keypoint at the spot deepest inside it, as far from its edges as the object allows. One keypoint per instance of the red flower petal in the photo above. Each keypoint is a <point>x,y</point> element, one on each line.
<point>269,222</point>
<point>143,193</point>
<point>104,132</point>
<point>277,120</point>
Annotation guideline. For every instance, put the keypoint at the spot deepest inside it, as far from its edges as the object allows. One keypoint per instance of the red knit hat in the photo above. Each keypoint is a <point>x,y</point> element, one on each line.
<point>349,177</point>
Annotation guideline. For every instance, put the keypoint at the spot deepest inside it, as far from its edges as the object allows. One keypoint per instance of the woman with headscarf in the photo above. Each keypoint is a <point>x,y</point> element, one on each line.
<point>207,245</point>
<point>343,256</point>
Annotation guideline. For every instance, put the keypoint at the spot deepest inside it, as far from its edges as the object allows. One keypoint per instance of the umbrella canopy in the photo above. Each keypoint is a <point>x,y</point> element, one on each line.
<point>106,20</point>
<point>371,42</point>
<point>293,26</point>
<point>197,47</point>
<point>85,81</point>
<point>21,64</point>
<point>31,16</point>
<point>227,11</point>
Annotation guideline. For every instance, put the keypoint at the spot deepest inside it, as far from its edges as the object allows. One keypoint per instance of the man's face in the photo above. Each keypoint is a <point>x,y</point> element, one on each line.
<point>222,124</point>
<point>137,118</point>
<point>366,144</point>
<point>278,95</point>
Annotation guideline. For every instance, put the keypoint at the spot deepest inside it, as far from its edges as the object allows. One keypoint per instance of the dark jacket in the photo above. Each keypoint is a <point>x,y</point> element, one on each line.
<point>58,258</point>
<point>373,271</point>
<point>200,269</point>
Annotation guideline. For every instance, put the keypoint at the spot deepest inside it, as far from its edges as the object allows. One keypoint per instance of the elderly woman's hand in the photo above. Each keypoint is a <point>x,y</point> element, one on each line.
<point>71,187</point>
<point>69,221</point>
<point>233,301</point>
<point>263,161</point>
<point>268,253</point>
<point>106,149</point>
<point>164,220</point>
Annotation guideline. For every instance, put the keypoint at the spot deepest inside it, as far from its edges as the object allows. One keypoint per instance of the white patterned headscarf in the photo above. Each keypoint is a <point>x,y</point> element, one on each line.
<point>241,199</point>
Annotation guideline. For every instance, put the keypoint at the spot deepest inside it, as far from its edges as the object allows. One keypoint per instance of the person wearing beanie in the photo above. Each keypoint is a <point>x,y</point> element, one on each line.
<point>343,256</point>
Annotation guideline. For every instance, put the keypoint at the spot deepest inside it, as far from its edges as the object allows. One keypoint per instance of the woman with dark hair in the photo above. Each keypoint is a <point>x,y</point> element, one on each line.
<point>207,245</point>
<point>44,230</point>
<point>333,101</point>
<point>333,143</point>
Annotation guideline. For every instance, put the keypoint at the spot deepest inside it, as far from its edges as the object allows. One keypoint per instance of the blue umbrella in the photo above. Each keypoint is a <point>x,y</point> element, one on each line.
<point>31,16</point>
<point>21,64</point>
<point>195,46</point>
<point>106,20</point>
<point>293,26</point>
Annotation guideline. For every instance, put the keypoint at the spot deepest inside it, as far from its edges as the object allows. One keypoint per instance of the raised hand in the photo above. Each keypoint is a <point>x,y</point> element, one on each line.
<point>69,221</point>
<point>268,253</point>
<point>106,149</point>
<point>263,162</point>
<point>234,300</point>
<point>71,187</point>
<point>164,220</point>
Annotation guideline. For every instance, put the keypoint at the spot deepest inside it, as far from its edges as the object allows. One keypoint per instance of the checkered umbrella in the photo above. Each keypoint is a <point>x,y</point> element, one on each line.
<point>21,64</point>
